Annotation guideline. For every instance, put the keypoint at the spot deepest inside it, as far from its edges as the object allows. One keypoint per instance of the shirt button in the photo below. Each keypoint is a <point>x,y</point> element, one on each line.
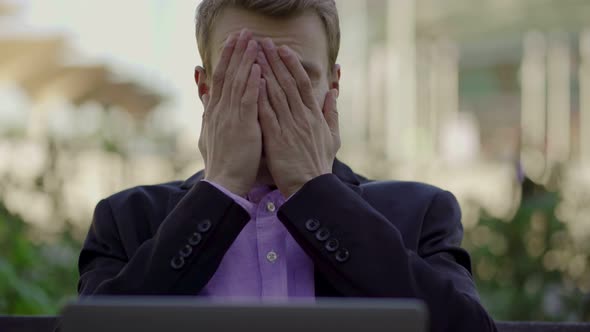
<point>270,207</point>
<point>272,256</point>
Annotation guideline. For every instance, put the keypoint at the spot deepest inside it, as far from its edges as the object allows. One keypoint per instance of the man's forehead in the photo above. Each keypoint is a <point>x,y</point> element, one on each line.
<point>299,32</point>
<point>294,43</point>
<point>308,64</point>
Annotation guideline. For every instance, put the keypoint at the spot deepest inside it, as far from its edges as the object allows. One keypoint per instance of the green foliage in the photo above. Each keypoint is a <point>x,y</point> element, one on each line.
<point>35,279</point>
<point>512,278</point>
<point>511,266</point>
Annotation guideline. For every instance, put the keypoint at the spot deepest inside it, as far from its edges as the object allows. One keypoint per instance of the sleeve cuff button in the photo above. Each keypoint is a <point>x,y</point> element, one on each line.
<point>332,245</point>
<point>204,226</point>
<point>323,234</point>
<point>195,239</point>
<point>177,263</point>
<point>342,255</point>
<point>312,225</point>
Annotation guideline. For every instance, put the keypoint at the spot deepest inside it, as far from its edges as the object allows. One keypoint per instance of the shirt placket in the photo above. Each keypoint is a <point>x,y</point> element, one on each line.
<point>271,248</point>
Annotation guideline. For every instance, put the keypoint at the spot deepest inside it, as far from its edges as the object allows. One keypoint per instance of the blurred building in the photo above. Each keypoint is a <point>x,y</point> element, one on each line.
<point>472,96</point>
<point>68,125</point>
<point>480,97</point>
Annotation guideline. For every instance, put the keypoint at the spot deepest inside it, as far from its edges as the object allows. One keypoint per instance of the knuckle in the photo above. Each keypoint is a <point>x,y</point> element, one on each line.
<point>283,98</point>
<point>278,98</point>
<point>247,101</point>
<point>273,57</point>
<point>228,51</point>
<point>230,75</point>
<point>265,112</point>
<point>288,81</point>
<point>218,77</point>
<point>238,82</point>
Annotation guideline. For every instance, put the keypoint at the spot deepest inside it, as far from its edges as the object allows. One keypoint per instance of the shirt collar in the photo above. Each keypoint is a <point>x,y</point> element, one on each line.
<point>257,193</point>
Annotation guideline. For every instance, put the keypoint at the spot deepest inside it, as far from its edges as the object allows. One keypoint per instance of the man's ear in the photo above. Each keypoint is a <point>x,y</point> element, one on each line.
<point>201,81</point>
<point>335,78</point>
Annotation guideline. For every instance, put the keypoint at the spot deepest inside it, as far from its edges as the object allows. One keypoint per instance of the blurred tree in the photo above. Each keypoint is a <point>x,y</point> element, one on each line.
<point>516,279</point>
<point>34,278</point>
<point>518,273</point>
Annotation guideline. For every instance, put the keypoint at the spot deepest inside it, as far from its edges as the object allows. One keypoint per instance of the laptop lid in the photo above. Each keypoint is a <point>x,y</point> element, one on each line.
<point>153,314</point>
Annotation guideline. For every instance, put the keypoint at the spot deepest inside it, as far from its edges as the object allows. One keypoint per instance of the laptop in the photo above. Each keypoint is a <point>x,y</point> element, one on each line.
<point>153,314</point>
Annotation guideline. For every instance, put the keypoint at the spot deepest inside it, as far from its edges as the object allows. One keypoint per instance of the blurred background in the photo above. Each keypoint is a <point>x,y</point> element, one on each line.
<point>489,99</point>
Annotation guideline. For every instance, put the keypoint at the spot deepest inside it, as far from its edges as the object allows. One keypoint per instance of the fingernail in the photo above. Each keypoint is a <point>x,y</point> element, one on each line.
<point>252,44</point>
<point>254,65</point>
<point>283,50</point>
<point>243,33</point>
<point>335,93</point>
<point>230,39</point>
<point>267,43</point>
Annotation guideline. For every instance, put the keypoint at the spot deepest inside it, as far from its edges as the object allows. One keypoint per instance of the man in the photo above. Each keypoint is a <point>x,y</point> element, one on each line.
<point>274,214</point>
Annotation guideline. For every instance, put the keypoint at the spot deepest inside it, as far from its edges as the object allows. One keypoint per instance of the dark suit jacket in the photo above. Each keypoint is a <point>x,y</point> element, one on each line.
<point>394,239</point>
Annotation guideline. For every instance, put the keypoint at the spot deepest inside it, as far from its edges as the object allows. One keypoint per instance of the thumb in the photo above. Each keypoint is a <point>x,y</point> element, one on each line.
<point>330,111</point>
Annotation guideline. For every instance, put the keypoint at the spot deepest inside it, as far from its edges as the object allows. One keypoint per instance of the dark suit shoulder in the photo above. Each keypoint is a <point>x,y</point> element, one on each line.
<point>416,192</point>
<point>140,210</point>
<point>408,204</point>
<point>144,195</point>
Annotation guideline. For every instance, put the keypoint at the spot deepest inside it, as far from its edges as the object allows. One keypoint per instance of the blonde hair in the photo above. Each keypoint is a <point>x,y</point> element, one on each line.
<point>208,10</point>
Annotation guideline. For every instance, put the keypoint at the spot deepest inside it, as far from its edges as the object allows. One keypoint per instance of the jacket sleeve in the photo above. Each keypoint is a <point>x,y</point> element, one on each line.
<point>179,259</point>
<point>362,254</point>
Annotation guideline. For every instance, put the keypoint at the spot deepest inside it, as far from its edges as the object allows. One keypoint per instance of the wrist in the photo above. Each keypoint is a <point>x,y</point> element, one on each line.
<point>288,189</point>
<point>230,185</point>
<point>288,192</point>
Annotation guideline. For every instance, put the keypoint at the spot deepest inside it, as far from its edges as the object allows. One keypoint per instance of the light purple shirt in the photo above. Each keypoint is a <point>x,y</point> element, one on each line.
<point>264,261</point>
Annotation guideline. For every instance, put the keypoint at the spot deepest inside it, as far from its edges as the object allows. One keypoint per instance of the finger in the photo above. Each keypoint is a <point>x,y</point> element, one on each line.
<point>275,95</point>
<point>283,76</point>
<point>205,114</point>
<point>330,112</point>
<point>264,65</point>
<point>201,85</point>
<point>249,101</point>
<point>219,73</point>
<point>268,120</point>
<point>202,144</point>
<point>206,99</point>
<point>296,69</point>
<point>234,63</point>
<point>244,71</point>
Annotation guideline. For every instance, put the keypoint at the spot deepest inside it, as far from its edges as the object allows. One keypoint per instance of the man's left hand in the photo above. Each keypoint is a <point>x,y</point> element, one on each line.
<point>300,138</point>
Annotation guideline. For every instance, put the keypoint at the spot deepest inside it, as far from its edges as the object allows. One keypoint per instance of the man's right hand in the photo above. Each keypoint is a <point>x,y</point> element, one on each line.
<point>231,139</point>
